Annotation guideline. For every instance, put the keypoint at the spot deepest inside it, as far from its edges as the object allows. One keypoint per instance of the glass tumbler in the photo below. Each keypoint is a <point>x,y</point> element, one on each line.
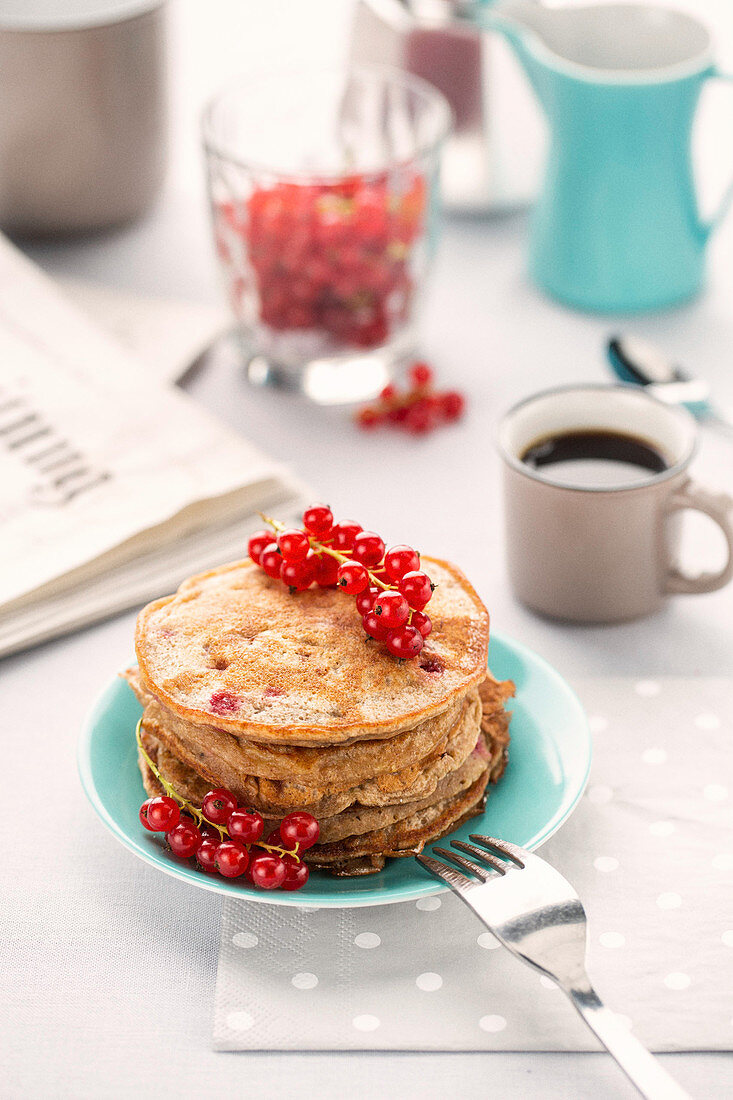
<point>324,200</point>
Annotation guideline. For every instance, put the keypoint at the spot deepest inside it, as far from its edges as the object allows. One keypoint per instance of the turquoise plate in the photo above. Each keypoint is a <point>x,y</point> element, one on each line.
<point>549,759</point>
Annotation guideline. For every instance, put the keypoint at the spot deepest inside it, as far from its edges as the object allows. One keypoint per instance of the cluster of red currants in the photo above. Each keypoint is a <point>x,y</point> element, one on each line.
<point>391,590</point>
<point>225,839</point>
<point>332,256</point>
<point>417,410</point>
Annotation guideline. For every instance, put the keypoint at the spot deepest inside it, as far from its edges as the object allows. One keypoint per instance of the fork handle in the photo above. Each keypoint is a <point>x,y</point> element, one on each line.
<point>641,1067</point>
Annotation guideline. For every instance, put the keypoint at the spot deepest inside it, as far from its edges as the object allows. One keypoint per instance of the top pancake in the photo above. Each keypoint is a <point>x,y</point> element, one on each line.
<point>235,650</point>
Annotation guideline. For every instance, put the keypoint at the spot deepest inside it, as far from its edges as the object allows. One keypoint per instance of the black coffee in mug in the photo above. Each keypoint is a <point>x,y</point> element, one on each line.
<point>594,458</point>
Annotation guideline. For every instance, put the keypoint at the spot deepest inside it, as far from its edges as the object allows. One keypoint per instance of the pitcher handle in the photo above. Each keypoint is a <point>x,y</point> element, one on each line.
<point>725,202</point>
<point>719,506</point>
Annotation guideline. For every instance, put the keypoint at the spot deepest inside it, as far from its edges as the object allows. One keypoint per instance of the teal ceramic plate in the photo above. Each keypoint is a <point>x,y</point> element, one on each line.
<point>549,759</point>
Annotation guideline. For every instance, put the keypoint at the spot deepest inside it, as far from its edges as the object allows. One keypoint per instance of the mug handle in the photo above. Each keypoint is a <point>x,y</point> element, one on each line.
<point>724,205</point>
<point>719,506</point>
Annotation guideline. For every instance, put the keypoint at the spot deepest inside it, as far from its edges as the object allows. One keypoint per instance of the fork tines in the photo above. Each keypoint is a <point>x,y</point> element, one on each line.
<point>477,865</point>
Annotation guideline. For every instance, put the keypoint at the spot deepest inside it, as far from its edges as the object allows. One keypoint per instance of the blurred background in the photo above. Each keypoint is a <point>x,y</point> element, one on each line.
<point>487,329</point>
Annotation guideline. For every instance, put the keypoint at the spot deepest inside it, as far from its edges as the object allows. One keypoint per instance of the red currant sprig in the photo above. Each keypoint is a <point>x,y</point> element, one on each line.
<point>222,837</point>
<point>417,410</point>
<point>391,590</point>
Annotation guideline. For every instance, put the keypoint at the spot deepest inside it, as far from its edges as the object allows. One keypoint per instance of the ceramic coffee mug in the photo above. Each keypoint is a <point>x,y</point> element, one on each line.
<point>602,553</point>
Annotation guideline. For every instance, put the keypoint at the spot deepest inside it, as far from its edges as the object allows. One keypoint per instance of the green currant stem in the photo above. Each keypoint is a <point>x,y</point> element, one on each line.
<point>321,548</point>
<point>194,810</point>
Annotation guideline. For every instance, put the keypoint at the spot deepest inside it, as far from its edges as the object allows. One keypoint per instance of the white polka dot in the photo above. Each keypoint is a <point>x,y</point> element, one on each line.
<point>727,938</point>
<point>605,863</point>
<point>367,939</point>
<point>599,794</point>
<point>707,721</point>
<point>661,828</point>
<point>245,939</point>
<point>625,1021</point>
<point>611,939</point>
<point>548,983</point>
<point>428,904</point>
<point>723,861</point>
<point>669,900</point>
<point>305,980</point>
<point>676,980</point>
<point>428,982</point>
<point>366,1023</point>
<point>715,792</point>
<point>597,723</point>
<point>647,688</point>
<point>492,1023</point>
<point>240,1021</point>
<point>654,756</point>
<point>488,940</point>
<point>308,908</point>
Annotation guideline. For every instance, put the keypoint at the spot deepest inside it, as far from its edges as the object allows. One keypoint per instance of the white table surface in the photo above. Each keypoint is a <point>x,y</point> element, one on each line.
<point>489,333</point>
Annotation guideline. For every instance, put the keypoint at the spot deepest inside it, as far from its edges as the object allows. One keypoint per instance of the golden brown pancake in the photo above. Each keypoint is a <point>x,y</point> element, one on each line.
<point>281,698</point>
<point>234,650</point>
<point>338,767</point>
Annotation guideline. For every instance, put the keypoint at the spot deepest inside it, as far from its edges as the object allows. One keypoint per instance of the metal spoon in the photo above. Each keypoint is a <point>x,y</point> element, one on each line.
<point>643,364</point>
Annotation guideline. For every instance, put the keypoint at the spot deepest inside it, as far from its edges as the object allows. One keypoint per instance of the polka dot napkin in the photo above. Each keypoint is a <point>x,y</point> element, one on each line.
<point>649,850</point>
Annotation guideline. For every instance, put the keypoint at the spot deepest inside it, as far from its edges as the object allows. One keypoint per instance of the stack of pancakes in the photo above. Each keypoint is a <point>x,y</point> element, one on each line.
<point>282,699</point>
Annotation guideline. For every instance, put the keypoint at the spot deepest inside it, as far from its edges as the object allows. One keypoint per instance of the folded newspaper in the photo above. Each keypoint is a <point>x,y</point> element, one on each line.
<point>113,486</point>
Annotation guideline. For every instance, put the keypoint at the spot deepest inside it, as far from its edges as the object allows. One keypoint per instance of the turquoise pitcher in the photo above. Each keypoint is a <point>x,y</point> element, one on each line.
<point>616,227</point>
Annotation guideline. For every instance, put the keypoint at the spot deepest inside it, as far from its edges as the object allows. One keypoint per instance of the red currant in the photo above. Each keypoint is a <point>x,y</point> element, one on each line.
<point>374,627</point>
<point>299,828</point>
<point>421,418</point>
<point>296,874</point>
<point>267,871</point>
<point>453,405</point>
<point>344,534</point>
<point>143,815</point>
<point>420,374</point>
<point>274,840</point>
<point>257,544</point>
<point>400,560</point>
<point>365,600</point>
<point>293,544</point>
<point>326,570</point>
<point>271,560</point>
<point>368,548</point>
<point>231,859</point>
<point>405,642</point>
<point>299,574</point>
<point>184,839</point>
<point>206,854</point>
<point>421,622</point>
<point>388,393</point>
<point>368,419</point>
<point>318,519</point>
<point>245,826</point>
<point>218,805</point>
<point>397,415</point>
<point>352,578</point>
<point>392,609</point>
<point>160,814</point>
<point>417,589</point>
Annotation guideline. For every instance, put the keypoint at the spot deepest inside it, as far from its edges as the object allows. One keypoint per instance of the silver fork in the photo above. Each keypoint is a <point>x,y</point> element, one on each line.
<point>535,913</point>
